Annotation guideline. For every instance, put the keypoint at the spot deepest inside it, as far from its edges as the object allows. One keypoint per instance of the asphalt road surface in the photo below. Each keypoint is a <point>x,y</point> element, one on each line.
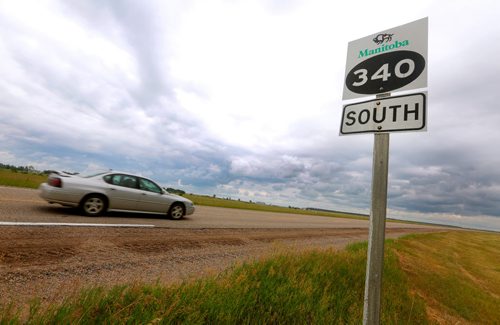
<point>24,205</point>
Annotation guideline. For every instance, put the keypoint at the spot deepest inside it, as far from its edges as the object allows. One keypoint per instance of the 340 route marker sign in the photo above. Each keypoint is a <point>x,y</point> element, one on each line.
<point>388,61</point>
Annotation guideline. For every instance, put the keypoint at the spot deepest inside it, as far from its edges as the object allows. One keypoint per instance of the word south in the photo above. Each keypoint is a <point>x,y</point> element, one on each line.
<point>394,113</point>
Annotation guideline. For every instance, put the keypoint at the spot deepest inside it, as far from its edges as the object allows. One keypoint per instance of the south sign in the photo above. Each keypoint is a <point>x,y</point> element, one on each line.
<point>387,61</point>
<point>391,114</point>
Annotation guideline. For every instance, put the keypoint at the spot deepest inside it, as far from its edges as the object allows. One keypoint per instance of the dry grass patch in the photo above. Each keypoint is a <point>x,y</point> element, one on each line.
<point>457,273</point>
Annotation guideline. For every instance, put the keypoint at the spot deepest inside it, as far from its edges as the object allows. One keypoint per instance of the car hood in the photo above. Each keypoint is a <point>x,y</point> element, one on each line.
<point>177,197</point>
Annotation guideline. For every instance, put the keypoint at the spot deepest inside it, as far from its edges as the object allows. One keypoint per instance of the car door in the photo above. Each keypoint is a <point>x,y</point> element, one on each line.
<point>123,192</point>
<point>152,198</point>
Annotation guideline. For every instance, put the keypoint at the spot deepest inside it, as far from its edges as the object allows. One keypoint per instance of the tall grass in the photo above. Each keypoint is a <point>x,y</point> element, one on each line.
<point>319,287</point>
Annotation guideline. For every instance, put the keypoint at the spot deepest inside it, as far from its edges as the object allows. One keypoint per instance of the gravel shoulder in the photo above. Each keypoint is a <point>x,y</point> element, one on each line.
<point>53,262</point>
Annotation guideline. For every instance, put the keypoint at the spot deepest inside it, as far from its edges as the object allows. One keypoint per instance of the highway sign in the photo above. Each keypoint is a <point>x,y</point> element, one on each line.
<point>391,114</point>
<point>390,60</point>
<point>380,64</point>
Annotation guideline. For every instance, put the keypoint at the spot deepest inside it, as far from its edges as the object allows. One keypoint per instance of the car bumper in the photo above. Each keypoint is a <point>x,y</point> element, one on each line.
<point>53,194</point>
<point>189,209</point>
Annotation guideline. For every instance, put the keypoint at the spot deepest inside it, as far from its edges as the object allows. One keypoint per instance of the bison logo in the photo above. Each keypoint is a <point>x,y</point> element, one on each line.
<point>381,38</point>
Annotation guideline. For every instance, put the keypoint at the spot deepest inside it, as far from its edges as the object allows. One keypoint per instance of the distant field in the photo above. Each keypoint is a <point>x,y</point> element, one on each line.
<point>21,179</point>
<point>235,204</point>
<point>441,278</point>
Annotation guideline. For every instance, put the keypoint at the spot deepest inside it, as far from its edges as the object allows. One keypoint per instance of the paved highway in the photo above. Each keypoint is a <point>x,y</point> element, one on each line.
<point>24,205</point>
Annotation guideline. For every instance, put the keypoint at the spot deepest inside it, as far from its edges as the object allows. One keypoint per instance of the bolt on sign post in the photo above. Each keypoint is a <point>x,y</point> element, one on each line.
<point>389,61</point>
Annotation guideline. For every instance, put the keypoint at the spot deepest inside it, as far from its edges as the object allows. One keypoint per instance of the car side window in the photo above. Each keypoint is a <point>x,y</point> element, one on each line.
<point>147,185</point>
<point>128,181</point>
<point>114,179</point>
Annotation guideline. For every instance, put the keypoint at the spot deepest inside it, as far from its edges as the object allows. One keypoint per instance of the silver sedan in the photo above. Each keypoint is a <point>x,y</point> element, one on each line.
<point>113,191</point>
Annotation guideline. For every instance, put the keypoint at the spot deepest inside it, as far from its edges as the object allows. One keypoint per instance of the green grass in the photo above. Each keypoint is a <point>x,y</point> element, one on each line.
<point>444,278</point>
<point>21,179</point>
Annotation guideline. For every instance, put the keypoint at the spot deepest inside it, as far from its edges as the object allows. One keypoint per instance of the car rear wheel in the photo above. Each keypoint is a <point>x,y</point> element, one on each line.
<point>93,205</point>
<point>176,212</point>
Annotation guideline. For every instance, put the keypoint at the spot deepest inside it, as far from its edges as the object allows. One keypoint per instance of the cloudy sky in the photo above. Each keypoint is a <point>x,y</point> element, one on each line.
<point>243,99</point>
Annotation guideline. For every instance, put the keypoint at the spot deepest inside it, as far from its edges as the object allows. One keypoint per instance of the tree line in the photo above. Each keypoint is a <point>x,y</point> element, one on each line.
<point>23,169</point>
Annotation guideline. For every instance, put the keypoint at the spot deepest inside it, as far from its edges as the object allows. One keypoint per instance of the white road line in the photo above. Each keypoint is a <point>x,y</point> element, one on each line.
<point>7,223</point>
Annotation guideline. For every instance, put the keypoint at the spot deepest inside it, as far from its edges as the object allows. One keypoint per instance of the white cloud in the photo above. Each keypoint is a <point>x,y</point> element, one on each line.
<point>254,86</point>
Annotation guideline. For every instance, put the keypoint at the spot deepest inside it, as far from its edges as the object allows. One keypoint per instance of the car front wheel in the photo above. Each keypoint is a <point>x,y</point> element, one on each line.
<point>93,205</point>
<point>176,212</point>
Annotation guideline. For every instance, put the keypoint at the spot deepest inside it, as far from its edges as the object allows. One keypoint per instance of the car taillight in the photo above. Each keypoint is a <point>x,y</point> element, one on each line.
<point>55,181</point>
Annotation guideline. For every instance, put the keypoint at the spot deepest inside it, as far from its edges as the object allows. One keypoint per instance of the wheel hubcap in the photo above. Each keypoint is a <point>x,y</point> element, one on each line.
<point>94,205</point>
<point>177,212</point>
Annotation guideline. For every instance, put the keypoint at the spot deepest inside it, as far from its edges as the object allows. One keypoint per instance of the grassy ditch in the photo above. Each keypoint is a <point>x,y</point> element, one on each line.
<point>445,278</point>
<point>324,287</point>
